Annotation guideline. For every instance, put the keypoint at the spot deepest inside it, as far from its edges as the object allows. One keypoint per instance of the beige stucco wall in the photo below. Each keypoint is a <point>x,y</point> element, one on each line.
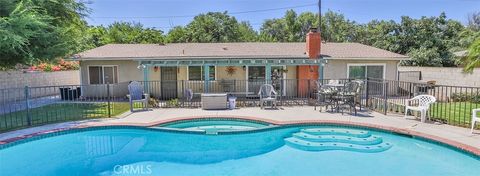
<point>337,69</point>
<point>128,71</point>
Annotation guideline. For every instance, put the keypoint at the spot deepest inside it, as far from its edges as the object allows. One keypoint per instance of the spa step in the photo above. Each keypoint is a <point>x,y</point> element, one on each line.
<point>336,131</point>
<point>370,140</point>
<point>220,127</point>
<point>322,146</point>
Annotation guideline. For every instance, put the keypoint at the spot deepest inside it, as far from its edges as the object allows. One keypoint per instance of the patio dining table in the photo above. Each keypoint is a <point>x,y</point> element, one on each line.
<point>336,98</point>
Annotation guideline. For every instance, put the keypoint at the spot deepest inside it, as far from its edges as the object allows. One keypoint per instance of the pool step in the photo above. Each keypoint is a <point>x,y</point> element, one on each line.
<point>322,146</point>
<point>320,139</point>
<point>336,131</point>
<point>370,140</point>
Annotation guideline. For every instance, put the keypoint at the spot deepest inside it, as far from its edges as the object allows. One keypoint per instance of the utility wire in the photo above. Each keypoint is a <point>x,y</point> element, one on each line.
<point>173,26</point>
<point>189,16</point>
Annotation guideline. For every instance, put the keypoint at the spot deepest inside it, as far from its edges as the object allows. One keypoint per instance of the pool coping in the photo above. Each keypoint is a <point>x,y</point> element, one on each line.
<point>402,131</point>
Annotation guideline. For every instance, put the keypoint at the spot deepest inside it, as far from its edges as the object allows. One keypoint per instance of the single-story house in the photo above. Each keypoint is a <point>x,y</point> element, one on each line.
<point>216,63</point>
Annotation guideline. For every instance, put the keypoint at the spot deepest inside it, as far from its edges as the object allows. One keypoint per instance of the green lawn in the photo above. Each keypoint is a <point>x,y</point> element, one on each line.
<point>60,112</point>
<point>455,113</point>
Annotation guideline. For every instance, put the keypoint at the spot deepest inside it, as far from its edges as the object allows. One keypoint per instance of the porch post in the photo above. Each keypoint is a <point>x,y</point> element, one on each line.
<point>206,80</point>
<point>268,73</point>
<point>145,77</point>
<point>320,71</point>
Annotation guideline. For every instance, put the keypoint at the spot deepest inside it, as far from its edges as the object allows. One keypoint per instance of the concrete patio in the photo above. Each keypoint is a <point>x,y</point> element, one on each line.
<point>460,137</point>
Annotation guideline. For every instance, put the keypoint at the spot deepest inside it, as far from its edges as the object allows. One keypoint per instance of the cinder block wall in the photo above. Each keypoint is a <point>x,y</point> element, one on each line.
<point>451,76</point>
<point>12,83</point>
<point>18,79</point>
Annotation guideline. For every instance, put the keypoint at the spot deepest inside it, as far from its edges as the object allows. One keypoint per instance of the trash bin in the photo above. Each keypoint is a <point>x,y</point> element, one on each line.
<point>231,102</point>
<point>64,93</point>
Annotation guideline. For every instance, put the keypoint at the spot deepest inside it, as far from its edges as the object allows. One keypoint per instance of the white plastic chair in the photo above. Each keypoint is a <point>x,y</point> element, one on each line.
<point>475,118</point>
<point>423,104</point>
<point>135,90</point>
<point>333,81</point>
<point>267,94</point>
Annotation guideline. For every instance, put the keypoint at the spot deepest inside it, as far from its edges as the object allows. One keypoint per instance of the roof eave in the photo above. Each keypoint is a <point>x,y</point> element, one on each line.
<point>186,57</point>
<point>367,58</point>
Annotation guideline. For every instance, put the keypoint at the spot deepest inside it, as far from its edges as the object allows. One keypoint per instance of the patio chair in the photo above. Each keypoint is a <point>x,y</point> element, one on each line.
<point>348,95</point>
<point>324,96</point>
<point>136,94</point>
<point>267,94</point>
<point>475,118</point>
<point>422,104</point>
<point>188,94</point>
<point>333,81</point>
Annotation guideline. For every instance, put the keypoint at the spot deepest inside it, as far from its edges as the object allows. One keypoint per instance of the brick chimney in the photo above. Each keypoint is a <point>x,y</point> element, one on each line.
<point>306,74</point>
<point>314,41</point>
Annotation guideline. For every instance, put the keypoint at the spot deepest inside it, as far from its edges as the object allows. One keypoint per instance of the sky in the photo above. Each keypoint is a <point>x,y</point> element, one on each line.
<point>164,14</point>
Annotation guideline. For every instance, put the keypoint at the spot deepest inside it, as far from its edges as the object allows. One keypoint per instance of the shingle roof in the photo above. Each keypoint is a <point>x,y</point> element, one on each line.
<point>233,50</point>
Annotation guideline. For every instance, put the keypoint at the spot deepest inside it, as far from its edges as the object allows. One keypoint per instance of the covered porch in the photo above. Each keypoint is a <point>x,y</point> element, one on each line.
<point>169,79</point>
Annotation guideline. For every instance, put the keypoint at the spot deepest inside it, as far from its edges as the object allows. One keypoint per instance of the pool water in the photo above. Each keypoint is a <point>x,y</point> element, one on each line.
<point>276,152</point>
<point>213,126</point>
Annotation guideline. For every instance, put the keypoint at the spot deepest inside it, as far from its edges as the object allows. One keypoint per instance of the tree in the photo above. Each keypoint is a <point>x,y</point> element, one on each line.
<point>435,33</point>
<point>213,27</point>
<point>290,28</point>
<point>7,7</point>
<point>380,34</point>
<point>178,34</point>
<point>273,30</point>
<point>336,28</point>
<point>125,33</point>
<point>474,21</point>
<point>25,34</point>
<point>247,33</point>
<point>97,36</point>
<point>473,57</point>
<point>39,30</point>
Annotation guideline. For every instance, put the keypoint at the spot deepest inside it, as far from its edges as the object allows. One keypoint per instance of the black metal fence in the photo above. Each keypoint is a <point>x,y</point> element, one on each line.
<point>31,106</point>
<point>454,104</point>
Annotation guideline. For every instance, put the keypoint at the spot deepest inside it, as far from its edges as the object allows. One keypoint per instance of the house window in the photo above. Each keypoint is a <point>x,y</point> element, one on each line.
<point>103,74</point>
<point>362,71</point>
<point>195,73</point>
<point>256,73</point>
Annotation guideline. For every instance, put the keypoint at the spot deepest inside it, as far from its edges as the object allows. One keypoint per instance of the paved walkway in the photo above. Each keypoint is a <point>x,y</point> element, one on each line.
<point>282,116</point>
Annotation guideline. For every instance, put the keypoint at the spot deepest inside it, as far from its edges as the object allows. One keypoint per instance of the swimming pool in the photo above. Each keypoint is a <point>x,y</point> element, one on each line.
<point>288,150</point>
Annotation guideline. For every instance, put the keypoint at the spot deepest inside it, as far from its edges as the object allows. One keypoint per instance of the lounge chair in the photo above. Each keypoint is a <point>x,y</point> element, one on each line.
<point>136,94</point>
<point>267,94</point>
<point>475,118</point>
<point>422,104</point>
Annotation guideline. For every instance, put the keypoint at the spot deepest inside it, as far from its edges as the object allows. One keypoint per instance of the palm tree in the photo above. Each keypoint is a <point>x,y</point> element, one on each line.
<point>473,58</point>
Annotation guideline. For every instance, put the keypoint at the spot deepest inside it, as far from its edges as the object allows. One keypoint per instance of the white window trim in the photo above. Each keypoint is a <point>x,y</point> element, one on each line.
<point>103,74</point>
<point>367,64</point>
<point>188,74</point>
<point>284,78</point>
